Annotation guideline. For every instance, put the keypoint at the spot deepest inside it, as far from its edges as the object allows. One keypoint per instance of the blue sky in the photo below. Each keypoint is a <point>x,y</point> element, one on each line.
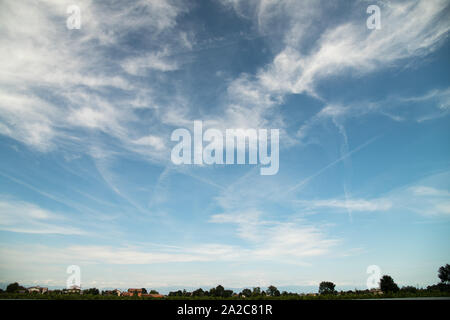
<point>86,117</point>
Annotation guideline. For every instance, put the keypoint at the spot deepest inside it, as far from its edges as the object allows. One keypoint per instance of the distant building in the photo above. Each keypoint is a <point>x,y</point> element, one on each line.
<point>135,292</point>
<point>72,289</point>
<point>37,289</point>
<point>115,292</point>
<point>126,294</point>
<point>376,291</point>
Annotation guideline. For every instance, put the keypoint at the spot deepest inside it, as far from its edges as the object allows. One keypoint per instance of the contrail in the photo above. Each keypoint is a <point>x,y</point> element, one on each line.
<point>303,182</point>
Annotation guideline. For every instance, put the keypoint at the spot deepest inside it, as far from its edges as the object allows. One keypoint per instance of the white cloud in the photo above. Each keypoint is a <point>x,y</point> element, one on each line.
<point>425,200</point>
<point>108,266</point>
<point>124,255</point>
<point>270,241</point>
<point>152,61</point>
<point>429,191</point>
<point>410,29</point>
<point>285,241</point>
<point>57,82</point>
<point>39,54</point>
<point>349,204</point>
<point>28,119</point>
<point>430,105</point>
<point>419,199</point>
<point>152,141</point>
<point>23,217</point>
<point>92,118</point>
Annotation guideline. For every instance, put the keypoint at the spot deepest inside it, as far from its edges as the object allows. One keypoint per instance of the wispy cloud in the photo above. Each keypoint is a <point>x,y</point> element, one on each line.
<point>421,199</point>
<point>430,105</point>
<point>63,61</point>
<point>424,200</point>
<point>23,217</point>
<point>290,241</point>
<point>349,204</point>
<point>429,191</point>
<point>56,83</point>
<point>331,164</point>
<point>410,29</point>
<point>153,61</point>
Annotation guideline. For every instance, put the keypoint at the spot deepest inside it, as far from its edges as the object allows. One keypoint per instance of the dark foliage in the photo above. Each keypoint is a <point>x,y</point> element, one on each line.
<point>327,287</point>
<point>387,284</point>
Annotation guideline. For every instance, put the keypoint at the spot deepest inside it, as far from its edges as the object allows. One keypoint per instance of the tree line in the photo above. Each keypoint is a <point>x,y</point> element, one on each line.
<point>387,286</point>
